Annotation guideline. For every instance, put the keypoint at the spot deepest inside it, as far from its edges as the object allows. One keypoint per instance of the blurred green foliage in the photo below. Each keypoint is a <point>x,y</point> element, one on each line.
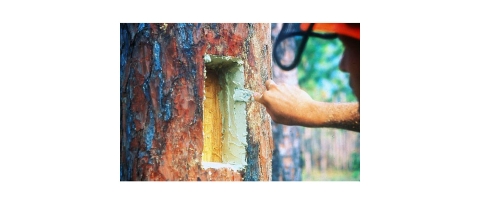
<point>331,175</point>
<point>318,71</point>
<point>319,75</point>
<point>355,165</point>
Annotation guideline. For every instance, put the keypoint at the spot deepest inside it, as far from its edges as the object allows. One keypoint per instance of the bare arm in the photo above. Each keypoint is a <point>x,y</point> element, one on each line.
<point>290,105</point>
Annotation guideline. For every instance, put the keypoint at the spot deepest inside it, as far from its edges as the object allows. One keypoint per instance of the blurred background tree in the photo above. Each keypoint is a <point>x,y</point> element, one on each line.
<point>287,157</point>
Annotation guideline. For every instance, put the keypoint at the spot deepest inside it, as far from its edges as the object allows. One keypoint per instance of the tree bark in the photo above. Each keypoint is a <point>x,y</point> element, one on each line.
<point>162,91</point>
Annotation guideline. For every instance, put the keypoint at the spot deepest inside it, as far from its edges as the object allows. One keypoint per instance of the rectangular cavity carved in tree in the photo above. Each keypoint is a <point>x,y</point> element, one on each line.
<point>212,119</point>
<point>224,119</point>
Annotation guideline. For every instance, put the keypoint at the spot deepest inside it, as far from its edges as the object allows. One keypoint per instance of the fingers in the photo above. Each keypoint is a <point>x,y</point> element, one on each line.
<point>258,97</point>
<point>270,84</point>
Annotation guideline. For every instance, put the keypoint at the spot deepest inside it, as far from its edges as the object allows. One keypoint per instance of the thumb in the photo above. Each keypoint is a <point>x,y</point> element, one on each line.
<point>258,97</point>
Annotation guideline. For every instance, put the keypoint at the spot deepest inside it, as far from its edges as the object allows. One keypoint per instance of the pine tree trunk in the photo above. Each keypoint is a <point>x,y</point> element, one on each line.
<point>162,90</point>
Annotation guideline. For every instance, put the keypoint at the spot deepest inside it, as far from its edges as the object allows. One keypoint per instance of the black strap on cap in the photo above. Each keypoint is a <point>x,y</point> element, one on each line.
<point>291,30</point>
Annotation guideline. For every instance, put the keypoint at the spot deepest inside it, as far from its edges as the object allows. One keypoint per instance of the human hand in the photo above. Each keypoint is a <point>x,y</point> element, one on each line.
<point>286,104</point>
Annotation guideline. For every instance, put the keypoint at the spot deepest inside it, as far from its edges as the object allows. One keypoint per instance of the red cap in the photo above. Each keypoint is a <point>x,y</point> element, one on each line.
<point>347,29</point>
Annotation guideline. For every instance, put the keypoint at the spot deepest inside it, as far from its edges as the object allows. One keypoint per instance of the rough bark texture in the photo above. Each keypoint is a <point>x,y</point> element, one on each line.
<point>286,163</point>
<point>161,95</point>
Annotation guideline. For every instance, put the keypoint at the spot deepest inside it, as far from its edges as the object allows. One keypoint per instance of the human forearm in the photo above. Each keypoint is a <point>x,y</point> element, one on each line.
<point>335,115</point>
<point>290,105</point>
